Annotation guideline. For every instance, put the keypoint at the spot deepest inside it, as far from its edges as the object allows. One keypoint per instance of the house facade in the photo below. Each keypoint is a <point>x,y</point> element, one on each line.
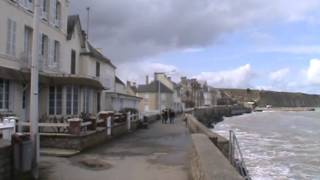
<point>120,97</point>
<point>73,75</point>
<point>156,96</point>
<point>192,93</point>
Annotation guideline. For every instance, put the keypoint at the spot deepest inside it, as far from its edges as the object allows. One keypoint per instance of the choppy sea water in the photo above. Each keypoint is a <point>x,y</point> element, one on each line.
<point>278,145</point>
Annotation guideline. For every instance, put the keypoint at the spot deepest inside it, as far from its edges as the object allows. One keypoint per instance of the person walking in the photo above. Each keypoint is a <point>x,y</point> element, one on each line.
<point>163,116</point>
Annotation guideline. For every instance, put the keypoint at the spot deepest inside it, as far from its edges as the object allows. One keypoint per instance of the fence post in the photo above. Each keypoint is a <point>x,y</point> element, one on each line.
<point>129,120</point>
<point>109,126</point>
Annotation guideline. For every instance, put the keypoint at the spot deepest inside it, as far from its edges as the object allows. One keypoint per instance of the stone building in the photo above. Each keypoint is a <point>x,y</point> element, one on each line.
<point>156,96</point>
<point>191,92</point>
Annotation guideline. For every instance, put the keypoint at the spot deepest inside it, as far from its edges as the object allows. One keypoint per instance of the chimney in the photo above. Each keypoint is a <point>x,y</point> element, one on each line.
<point>134,84</point>
<point>147,80</point>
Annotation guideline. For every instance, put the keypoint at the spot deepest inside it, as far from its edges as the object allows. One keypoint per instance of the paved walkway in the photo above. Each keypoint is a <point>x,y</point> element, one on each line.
<point>161,152</point>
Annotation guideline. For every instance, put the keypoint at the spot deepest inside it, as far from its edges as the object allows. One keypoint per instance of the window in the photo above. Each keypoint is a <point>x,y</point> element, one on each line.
<point>27,43</point>
<point>72,100</point>
<point>4,94</point>
<point>97,69</point>
<point>86,100</point>
<point>98,101</point>
<point>24,97</point>
<point>44,46</point>
<point>44,7</point>
<point>57,16</point>
<point>73,62</point>
<point>55,100</point>
<point>11,37</point>
<point>56,54</point>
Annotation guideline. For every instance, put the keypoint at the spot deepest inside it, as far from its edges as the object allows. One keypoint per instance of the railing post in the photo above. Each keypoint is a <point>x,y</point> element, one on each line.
<point>109,126</point>
<point>129,121</point>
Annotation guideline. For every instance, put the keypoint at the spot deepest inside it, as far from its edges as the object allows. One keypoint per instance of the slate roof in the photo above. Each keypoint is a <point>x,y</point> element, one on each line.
<point>73,20</point>
<point>118,80</point>
<point>93,52</point>
<point>153,87</point>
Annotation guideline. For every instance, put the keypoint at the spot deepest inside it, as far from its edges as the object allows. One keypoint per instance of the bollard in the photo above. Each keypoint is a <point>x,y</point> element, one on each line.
<point>109,126</point>
<point>129,121</point>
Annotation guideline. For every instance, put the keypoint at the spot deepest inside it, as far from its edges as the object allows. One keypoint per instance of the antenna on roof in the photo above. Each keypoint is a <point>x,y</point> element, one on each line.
<point>88,21</point>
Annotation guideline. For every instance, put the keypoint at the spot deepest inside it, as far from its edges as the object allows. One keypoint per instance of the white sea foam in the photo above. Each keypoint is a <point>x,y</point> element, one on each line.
<point>283,149</point>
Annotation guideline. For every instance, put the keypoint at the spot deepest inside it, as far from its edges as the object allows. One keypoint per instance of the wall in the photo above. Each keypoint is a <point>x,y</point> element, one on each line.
<point>5,160</point>
<point>208,163</point>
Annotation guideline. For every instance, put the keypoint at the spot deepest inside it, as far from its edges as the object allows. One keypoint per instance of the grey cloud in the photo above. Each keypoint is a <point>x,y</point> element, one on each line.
<point>135,29</point>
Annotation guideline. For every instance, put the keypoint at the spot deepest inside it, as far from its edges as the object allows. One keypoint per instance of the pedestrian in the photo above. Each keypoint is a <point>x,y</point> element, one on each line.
<point>165,116</point>
<point>171,114</point>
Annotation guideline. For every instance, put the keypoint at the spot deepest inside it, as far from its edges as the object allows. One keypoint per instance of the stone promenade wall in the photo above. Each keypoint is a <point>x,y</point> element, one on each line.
<point>196,126</point>
<point>208,162</point>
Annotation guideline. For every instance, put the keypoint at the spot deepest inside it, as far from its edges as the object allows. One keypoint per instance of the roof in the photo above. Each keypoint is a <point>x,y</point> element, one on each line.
<point>93,52</point>
<point>118,80</point>
<point>74,20</point>
<point>153,87</point>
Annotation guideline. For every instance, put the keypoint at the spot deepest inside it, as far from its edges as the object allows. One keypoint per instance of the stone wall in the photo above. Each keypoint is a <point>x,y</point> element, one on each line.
<point>215,114</point>
<point>5,160</point>
<point>208,162</point>
<point>89,139</point>
<point>197,127</point>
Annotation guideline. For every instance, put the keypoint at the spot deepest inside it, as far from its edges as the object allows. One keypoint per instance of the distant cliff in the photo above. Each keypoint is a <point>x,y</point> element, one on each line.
<point>276,99</point>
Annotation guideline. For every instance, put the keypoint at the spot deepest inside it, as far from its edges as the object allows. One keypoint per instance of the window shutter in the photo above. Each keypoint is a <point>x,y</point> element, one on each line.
<point>58,52</point>
<point>8,36</point>
<point>14,29</point>
<point>39,48</point>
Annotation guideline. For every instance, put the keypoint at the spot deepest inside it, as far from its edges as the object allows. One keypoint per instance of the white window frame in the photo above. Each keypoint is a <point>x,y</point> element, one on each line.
<point>72,100</point>
<point>5,94</point>
<point>11,37</point>
<point>55,101</point>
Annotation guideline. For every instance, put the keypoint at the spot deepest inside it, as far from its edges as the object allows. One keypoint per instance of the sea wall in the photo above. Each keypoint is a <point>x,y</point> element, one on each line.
<point>212,115</point>
<point>276,99</point>
<point>5,160</point>
<point>209,158</point>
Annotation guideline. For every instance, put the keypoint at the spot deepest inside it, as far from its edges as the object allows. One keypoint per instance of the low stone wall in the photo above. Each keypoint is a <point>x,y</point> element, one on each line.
<point>90,139</point>
<point>5,160</point>
<point>197,127</point>
<point>208,162</point>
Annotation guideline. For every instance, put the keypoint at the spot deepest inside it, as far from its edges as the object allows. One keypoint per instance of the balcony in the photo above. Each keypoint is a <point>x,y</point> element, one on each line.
<point>43,63</point>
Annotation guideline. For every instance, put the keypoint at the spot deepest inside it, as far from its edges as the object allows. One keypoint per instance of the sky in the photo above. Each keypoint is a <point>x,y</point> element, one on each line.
<point>260,44</point>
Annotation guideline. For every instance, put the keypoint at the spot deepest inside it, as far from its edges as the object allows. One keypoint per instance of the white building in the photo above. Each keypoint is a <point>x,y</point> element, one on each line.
<point>73,75</point>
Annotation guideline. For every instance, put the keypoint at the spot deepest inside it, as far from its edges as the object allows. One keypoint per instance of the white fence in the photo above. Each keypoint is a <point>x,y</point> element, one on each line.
<point>8,127</point>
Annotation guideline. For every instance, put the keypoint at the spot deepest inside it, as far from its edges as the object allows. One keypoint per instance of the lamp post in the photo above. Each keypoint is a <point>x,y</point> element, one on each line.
<point>34,92</point>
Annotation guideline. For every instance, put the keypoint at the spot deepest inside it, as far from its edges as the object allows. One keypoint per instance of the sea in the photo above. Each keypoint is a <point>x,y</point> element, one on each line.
<point>277,145</point>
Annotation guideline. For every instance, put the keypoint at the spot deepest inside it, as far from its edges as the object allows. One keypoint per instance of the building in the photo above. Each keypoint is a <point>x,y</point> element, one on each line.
<point>121,97</point>
<point>72,73</point>
<point>191,92</point>
<point>177,104</point>
<point>156,96</point>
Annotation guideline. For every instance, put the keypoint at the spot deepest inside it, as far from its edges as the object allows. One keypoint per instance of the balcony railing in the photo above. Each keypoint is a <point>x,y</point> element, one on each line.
<point>43,63</point>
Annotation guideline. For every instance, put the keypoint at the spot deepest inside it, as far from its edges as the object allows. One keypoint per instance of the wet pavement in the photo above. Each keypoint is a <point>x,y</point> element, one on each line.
<point>161,152</point>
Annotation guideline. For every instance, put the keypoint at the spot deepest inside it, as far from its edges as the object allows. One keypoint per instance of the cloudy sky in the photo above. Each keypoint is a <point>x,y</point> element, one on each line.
<point>264,44</point>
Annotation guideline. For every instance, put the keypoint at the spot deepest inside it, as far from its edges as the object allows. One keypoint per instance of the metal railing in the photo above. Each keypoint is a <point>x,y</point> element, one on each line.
<point>236,157</point>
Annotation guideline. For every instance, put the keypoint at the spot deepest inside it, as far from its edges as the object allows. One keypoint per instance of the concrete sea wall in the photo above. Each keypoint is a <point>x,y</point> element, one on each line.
<point>215,114</point>
<point>209,154</point>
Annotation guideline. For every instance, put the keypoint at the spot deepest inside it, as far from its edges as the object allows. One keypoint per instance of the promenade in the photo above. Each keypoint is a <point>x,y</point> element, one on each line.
<point>158,153</point>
